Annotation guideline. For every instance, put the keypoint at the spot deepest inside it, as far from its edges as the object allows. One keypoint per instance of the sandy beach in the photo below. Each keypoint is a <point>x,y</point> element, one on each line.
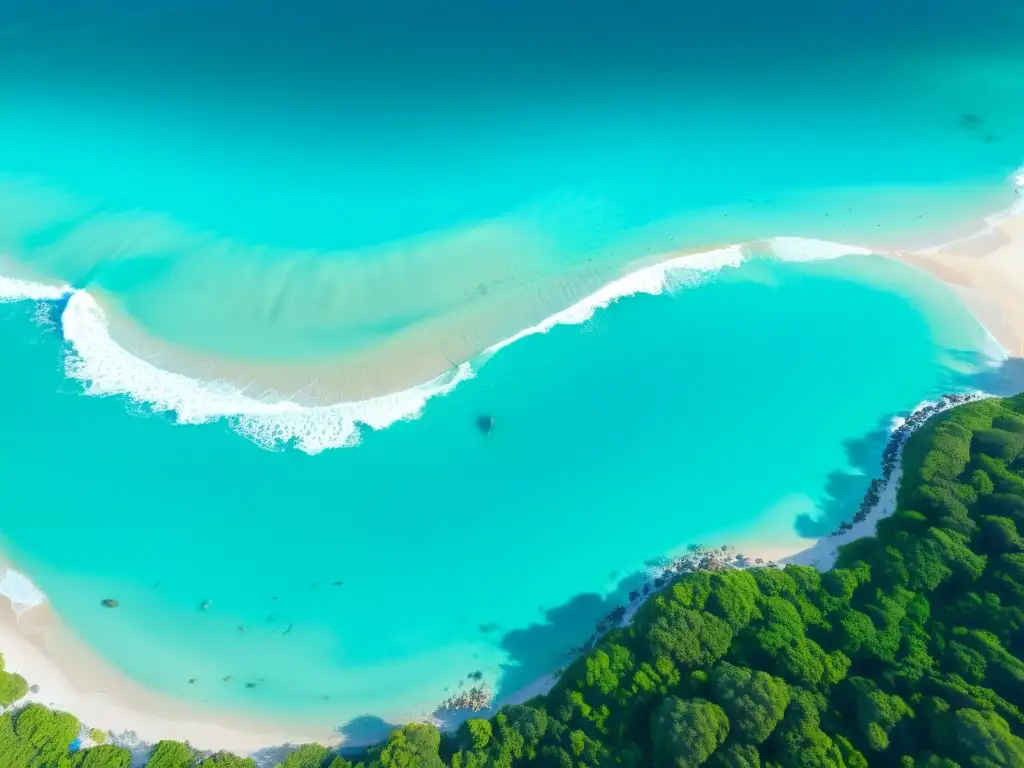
<point>987,272</point>
<point>980,267</point>
<point>985,269</point>
<point>71,678</point>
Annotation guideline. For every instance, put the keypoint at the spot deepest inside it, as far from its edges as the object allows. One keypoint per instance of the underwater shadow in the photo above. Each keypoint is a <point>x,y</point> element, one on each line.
<point>1003,380</point>
<point>844,489</point>
<point>540,649</point>
<point>846,492</point>
<point>537,650</point>
<point>362,732</point>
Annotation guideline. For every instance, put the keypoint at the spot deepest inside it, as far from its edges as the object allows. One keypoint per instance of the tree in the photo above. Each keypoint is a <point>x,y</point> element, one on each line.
<point>12,686</point>
<point>997,443</point>
<point>521,728</point>
<point>878,712</point>
<point>171,754</point>
<point>781,626</point>
<point>104,756</point>
<point>692,638</point>
<point>999,535</point>
<point>735,755</point>
<point>981,482</point>
<point>753,701</point>
<point>685,733</point>
<point>306,756</point>
<point>734,597</point>
<point>475,734</point>
<point>44,737</point>
<point>799,740</point>
<point>984,739</point>
<point>1004,505</point>
<point>412,746</point>
<point>606,667</point>
<point>227,760</point>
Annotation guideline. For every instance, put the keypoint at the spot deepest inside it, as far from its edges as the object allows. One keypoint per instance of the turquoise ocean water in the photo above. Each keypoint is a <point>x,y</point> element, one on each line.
<point>748,408</point>
<point>284,185</point>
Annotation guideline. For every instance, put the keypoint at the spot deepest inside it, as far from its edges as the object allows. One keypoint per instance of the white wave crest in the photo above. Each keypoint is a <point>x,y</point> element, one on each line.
<point>105,368</point>
<point>19,589</point>
<point>655,279</point>
<point>12,289</point>
<point>808,249</point>
<point>1016,209</point>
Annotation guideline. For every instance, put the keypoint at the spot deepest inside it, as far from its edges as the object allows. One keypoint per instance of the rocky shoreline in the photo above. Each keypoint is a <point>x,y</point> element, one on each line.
<point>891,454</point>
<point>701,558</point>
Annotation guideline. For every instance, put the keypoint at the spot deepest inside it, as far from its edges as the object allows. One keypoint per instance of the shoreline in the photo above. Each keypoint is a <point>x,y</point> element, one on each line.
<point>878,503</point>
<point>318,415</point>
<point>66,675</point>
<point>980,268</point>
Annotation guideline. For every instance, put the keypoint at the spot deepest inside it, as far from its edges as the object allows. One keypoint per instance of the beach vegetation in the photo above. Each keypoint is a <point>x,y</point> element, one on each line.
<point>908,652</point>
<point>104,756</point>
<point>171,754</point>
<point>97,735</point>
<point>13,687</point>
<point>414,745</point>
<point>227,760</point>
<point>308,756</point>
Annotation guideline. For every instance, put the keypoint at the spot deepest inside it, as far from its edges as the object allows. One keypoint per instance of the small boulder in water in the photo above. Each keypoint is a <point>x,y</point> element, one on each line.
<point>485,423</point>
<point>34,689</point>
<point>108,603</point>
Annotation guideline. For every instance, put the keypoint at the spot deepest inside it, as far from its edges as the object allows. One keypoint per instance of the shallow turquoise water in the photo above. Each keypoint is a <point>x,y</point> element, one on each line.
<point>296,182</point>
<point>288,182</point>
<point>714,413</point>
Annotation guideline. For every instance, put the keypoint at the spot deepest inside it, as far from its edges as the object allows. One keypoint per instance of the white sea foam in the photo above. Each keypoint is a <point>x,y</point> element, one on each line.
<point>106,368</point>
<point>20,590</point>
<point>683,271</point>
<point>1017,208</point>
<point>654,279</point>
<point>808,249</point>
<point>24,290</point>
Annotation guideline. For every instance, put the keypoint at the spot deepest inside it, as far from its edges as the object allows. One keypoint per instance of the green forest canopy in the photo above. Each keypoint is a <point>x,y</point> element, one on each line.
<point>906,654</point>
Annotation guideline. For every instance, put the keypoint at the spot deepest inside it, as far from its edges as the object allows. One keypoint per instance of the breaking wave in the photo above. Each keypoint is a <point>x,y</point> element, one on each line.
<point>19,589</point>
<point>105,368</point>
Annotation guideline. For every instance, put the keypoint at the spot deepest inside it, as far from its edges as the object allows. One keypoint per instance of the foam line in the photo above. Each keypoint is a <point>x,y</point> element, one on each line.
<point>654,279</point>
<point>105,368</point>
<point>12,289</point>
<point>19,589</point>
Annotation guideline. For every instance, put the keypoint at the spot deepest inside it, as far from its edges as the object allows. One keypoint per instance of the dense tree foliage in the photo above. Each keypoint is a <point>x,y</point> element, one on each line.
<point>906,654</point>
<point>12,686</point>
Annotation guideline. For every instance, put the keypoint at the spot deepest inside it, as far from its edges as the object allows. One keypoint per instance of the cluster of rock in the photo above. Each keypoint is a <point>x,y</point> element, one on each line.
<point>697,558</point>
<point>475,699</point>
<point>700,558</point>
<point>891,454</point>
